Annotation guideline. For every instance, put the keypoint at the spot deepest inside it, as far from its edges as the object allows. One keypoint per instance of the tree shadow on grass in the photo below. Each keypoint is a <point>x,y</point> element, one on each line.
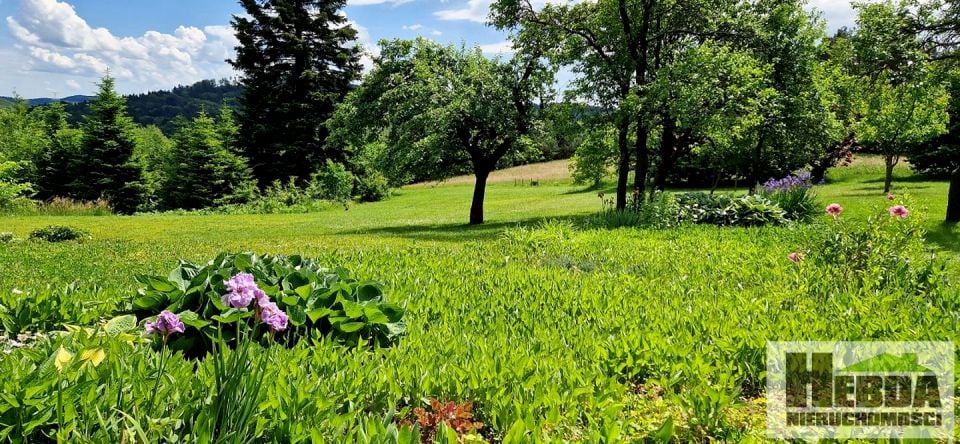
<point>946,235</point>
<point>457,232</point>
<point>907,179</point>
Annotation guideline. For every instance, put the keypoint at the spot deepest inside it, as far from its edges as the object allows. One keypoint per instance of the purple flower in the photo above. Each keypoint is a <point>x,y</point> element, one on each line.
<point>801,181</point>
<point>241,291</point>
<point>271,315</point>
<point>166,324</point>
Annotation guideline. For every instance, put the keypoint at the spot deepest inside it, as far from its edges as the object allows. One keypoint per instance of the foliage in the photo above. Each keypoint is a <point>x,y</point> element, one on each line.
<point>58,233</point>
<point>660,212</point>
<point>48,309</point>
<point>23,134</point>
<point>438,108</point>
<point>105,164</point>
<point>64,206</point>
<point>545,350</point>
<point>55,163</point>
<point>885,252</point>
<point>318,300</point>
<point>794,195</point>
<point>594,157</point>
<point>161,109</point>
<point>298,60</point>
<point>457,417</point>
<point>744,211</point>
<point>372,187</point>
<point>905,99</point>
<point>13,192</point>
<point>334,181</point>
<point>201,170</point>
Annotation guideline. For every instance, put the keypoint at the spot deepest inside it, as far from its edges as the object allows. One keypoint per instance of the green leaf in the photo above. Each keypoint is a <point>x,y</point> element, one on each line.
<point>150,301</point>
<point>120,324</point>
<point>192,319</point>
<point>318,313</point>
<point>374,315</point>
<point>352,309</point>
<point>297,316</point>
<point>350,327</point>
<point>368,291</point>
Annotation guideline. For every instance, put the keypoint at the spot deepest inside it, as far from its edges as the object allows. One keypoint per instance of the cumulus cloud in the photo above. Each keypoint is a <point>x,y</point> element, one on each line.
<point>413,27</point>
<point>504,47</point>
<point>52,38</point>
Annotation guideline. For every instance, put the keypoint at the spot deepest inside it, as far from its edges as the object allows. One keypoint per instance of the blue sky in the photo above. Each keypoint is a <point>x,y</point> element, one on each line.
<point>57,48</point>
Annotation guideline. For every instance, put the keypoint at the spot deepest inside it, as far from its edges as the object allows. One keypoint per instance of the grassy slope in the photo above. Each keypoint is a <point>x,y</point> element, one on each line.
<point>525,336</point>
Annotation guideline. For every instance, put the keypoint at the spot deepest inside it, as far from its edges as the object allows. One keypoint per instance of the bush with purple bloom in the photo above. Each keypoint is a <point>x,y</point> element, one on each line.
<point>793,194</point>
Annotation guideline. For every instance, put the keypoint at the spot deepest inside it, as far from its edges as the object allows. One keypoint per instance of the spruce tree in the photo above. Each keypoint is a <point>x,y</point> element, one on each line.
<point>105,166</point>
<point>201,170</point>
<point>297,59</point>
<point>53,163</point>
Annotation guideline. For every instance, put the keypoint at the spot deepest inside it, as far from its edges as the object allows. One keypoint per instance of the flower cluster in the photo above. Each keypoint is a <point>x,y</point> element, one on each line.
<point>899,211</point>
<point>801,181</point>
<point>242,291</point>
<point>167,323</point>
<point>834,209</point>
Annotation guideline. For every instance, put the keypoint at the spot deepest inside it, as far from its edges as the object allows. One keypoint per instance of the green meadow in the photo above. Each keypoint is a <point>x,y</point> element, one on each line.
<point>553,331</point>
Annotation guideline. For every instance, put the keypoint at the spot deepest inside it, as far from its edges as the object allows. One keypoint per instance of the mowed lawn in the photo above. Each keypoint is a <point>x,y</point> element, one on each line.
<point>425,214</point>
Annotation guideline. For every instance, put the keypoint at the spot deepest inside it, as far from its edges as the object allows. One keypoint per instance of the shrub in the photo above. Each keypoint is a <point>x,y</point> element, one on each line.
<point>12,191</point>
<point>660,212</point>
<point>334,181</point>
<point>58,233</point>
<point>887,252</point>
<point>316,299</point>
<point>745,211</point>
<point>373,187</point>
<point>794,195</point>
<point>7,237</point>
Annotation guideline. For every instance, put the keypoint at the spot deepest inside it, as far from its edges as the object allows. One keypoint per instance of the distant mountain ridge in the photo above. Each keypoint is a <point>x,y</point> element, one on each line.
<point>47,100</point>
<point>160,108</point>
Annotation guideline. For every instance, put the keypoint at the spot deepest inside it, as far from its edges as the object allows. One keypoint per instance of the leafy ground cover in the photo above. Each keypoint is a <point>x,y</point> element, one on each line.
<point>549,330</point>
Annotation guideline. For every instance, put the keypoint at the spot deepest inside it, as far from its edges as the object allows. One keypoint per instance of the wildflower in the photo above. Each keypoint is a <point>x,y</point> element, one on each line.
<point>17,291</point>
<point>834,209</point>
<point>271,315</point>
<point>899,211</point>
<point>795,257</point>
<point>891,196</point>
<point>166,324</point>
<point>242,291</point>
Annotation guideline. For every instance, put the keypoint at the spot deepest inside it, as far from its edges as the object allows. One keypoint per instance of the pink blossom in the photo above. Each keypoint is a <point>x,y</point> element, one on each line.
<point>271,315</point>
<point>166,324</point>
<point>899,211</point>
<point>891,196</point>
<point>795,257</point>
<point>241,291</point>
<point>834,209</point>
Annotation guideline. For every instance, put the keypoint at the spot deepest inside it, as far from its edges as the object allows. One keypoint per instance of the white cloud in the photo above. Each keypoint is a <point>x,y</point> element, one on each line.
<point>52,38</point>
<point>504,47</point>
<point>435,32</point>
<point>837,13</point>
<point>478,10</point>
<point>413,27</point>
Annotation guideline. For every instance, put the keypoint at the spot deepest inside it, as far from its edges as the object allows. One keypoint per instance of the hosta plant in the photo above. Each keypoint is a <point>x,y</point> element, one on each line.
<point>314,300</point>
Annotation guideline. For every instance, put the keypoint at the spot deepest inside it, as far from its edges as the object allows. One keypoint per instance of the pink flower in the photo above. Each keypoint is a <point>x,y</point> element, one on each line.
<point>899,211</point>
<point>834,209</point>
<point>241,291</point>
<point>891,196</point>
<point>795,257</point>
<point>166,324</point>
<point>271,315</point>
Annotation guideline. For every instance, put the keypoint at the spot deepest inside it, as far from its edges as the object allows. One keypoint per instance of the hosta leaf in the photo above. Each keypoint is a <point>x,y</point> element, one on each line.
<point>297,316</point>
<point>374,315</point>
<point>150,301</point>
<point>121,324</point>
<point>192,319</point>
<point>350,327</point>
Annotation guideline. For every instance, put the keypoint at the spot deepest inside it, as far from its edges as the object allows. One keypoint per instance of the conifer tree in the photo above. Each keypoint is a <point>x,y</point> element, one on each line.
<point>297,59</point>
<point>201,169</point>
<point>104,165</point>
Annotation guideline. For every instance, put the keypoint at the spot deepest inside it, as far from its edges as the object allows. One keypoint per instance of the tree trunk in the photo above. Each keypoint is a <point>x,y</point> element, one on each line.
<point>623,168</point>
<point>642,164</point>
<point>888,178</point>
<point>668,147</point>
<point>755,166</point>
<point>479,189</point>
<point>953,197</point>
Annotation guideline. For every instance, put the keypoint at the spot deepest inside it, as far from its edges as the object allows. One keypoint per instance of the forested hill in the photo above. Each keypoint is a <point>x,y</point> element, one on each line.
<point>161,108</point>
